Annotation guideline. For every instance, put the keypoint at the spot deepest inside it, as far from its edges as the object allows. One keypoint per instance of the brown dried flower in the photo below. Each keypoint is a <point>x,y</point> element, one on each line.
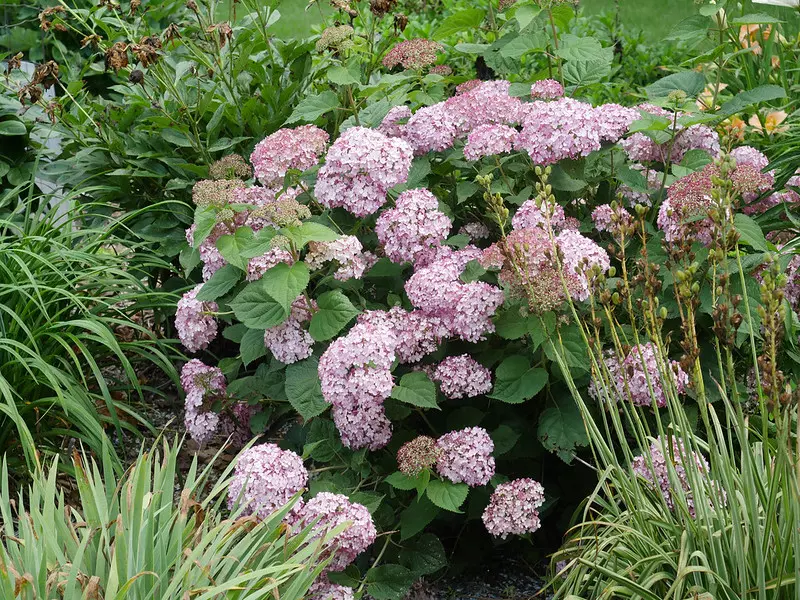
<point>14,62</point>
<point>46,23</point>
<point>400,23</point>
<point>223,30</point>
<point>46,74</point>
<point>381,7</point>
<point>135,4</point>
<point>147,51</point>
<point>171,32</point>
<point>232,166</point>
<point>117,56</point>
<point>31,92</point>
<point>93,40</point>
<point>136,76</point>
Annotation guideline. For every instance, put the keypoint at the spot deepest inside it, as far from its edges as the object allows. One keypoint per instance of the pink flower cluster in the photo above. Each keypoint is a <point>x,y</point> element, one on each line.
<point>329,511</point>
<point>463,376</point>
<point>256,267</point>
<point>297,148</point>
<point>475,231</point>
<point>290,341</point>
<point>466,456</point>
<point>323,589</point>
<point>265,478</point>
<point>675,453</point>
<point>346,251</point>
<point>611,219</point>
<point>489,140</point>
<point>547,89</point>
<point>641,148</point>
<point>412,54</point>
<point>202,385</point>
<point>391,125</point>
<point>463,309</point>
<point>532,213</point>
<point>360,167</point>
<point>512,509</point>
<point>412,227</point>
<point>636,374</point>
<point>196,326</point>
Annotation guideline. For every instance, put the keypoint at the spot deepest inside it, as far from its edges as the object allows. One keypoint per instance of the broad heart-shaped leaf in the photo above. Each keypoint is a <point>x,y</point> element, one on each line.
<point>285,283</point>
<point>401,481</point>
<point>254,307</point>
<point>763,93</point>
<point>416,516</point>
<point>511,324</point>
<point>334,312</point>
<point>749,232</point>
<point>461,22</point>
<point>252,346</point>
<point>516,381</point>
<point>523,44</point>
<point>447,495</point>
<point>342,76</point>
<point>424,555</point>
<point>312,108</point>
<point>417,389</point>
<point>309,231</point>
<point>221,282</point>
<point>231,246</point>
<point>690,82</point>
<point>260,243</point>
<point>587,72</point>
<point>504,439</point>
<point>389,582</point>
<point>573,47</point>
<point>303,388</point>
<point>561,428</point>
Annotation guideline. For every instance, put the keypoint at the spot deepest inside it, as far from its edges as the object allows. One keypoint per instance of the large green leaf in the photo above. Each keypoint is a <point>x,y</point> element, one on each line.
<point>334,312</point>
<point>516,381</point>
<point>232,245</point>
<point>690,82</point>
<point>417,516</point>
<point>579,48</point>
<point>312,108</point>
<point>303,388</point>
<point>561,428</point>
<point>285,283</point>
<point>252,346</point>
<point>417,389</point>
<point>465,21</point>
<point>221,282</point>
<point>254,307</point>
<point>424,556</point>
<point>12,127</point>
<point>389,582</point>
<point>742,100</point>
<point>749,232</point>
<point>447,495</point>
<point>309,231</point>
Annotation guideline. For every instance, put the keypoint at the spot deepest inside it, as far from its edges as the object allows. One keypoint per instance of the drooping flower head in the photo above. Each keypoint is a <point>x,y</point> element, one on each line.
<point>265,478</point>
<point>413,226</point>
<point>360,167</point>
<point>202,385</point>
<point>512,509</point>
<point>296,148</point>
<point>466,456</point>
<point>463,376</point>
<point>195,322</point>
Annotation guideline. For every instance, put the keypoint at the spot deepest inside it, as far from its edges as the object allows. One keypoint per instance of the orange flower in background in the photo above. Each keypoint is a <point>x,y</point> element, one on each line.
<point>734,128</point>
<point>772,122</point>
<point>706,97</point>
<point>749,36</point>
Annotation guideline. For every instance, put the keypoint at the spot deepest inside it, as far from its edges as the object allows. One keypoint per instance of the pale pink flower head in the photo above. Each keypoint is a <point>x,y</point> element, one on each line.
<point>202,385</point>
<point>614,121</point>
<point>360,167</point>
<point>489,140</point>
<point>547,89</point>
<point>463,377</point>
<point>475,231</point>
<point>413,226</point>
<point>265,478</point>
<point>512,509</point>
<point>323,589</point>
<point>298,148</point>
<point>393,124</point>
<point>580,256</point>
<point>363,424</point>
<point>332,510</point>
<point>611,219</point>
<point>290,342</point>
<point>346,252</point>
<point>412,54</point>
<point>256,267</point>
<point>195,322</point>
<point>556,130</point>
<point>533,213</point>
<point>466,456</point>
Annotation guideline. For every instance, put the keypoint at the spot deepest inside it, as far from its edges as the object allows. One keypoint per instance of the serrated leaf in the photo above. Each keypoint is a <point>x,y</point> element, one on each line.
<point>342,76</point>
<point>285,283</point>
<point>424,556</point>
<point>516,381</point>
<point>573,47</point>
<point>401,481</point>
<point>221,282</point>
<point>205,218</point>
<point>254,307</point>
<point>230,246</point>
<point>749,232</point>
<point>334,312</point>
<point>389,582</point>
<point>447,495</point>
<point>742,100</point>
<point>252,346</point>
<point>309,231</point>
<point>416,517</point>
<point>461,22</point>
<point>587,72</point>
<point>313,107</point>
<point>511,324</point>
<point>417,389</point>
<point>691,82</point>
<point>303,388</point>
<point>561,428</point>
<point>523,44</point>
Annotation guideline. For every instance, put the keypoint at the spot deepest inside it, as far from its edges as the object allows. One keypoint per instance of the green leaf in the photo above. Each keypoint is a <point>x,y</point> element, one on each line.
<point>755,19</point>
<point>465,21</point>
<point>323,433</point>
<point>221,282</point>
<point>696,159</point>
<point>692,30</point>
<point>525,13</point>
<point>303,388</point>
<point>573,47</point>
<point>12,127</point>
<point>447,495</point>
<point>401,481</point>
<point>252,346</point>
<point>504,439</point>
<point>523,44</point>
<point>511,324</point>
<point>749,232</point>
<point>472,48</point>
<point>205,218</point>
<point>309,231</point>
<point>587,72</point>
<point>416,517</point>
<point>370,500</point>
<point>175,137</point>
<point>312,108</point>
<point>260,243</point>
<point>334,312</point>
<point>342,76</point>
<point>562,181</point>
<point>561,428</point>
<point>742,100</point>
<point>254,307</point>
<point>424,556</point>
<point>285,283</point>
<point>189,257</point>
<point>417,389</point>
<point>231,246</point>
<point>389,582</point>
<point>516,381</point>
<point>472,271</point>
<point>690,82</point>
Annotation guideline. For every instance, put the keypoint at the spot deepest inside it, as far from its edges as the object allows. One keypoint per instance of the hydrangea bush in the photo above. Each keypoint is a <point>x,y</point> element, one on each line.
<point>401,290</point>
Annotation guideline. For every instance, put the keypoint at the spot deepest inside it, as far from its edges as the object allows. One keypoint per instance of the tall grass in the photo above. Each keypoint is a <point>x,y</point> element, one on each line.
<point>129,538</point>
<point>73,333</point>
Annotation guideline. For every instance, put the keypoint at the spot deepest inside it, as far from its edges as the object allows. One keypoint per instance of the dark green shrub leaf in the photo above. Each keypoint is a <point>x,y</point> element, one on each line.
<point>312,108</point>
<point>690,82</point>
<point>335,311</point>
<point>309,232</point>
<point>325,440</point>
<point>447,495</point>
<point>254,307</point>
<point>424,556</point>
<point>516,381</point>
<point>252,346</point>
<point>205,218</point>
<point>231,246</point>
<point>461,22</point>
<point>303,388</point>
<point>285,283</point>
<point>417,389</point>
<point>370,500</point>
<point>510,324</point>
<point>573,47</point>
<point>504,439</point>
<point>749,231</point>
<point>221,282</point>
<point>12,127</point>
<point>416,517</point>
<point>742,100</point>
<point>561,428</point>
<point>389,582</point>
